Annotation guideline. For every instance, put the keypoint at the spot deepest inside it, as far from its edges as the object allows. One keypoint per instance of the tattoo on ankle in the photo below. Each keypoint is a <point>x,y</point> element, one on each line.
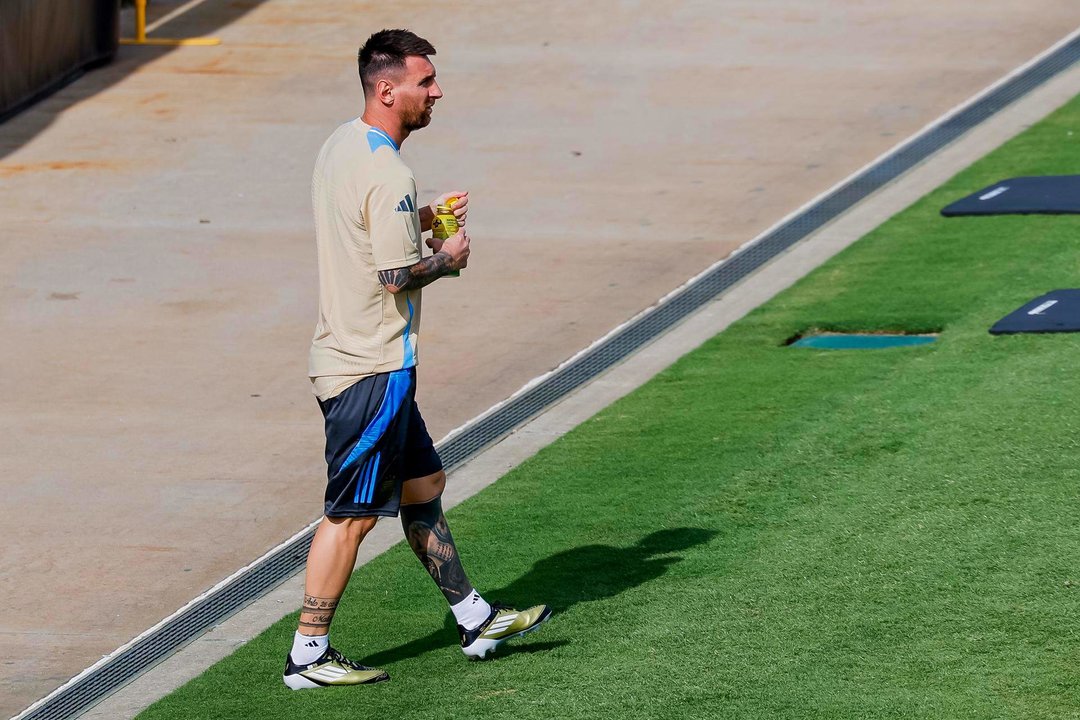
<point>429,536</point>
<point>317,612</point>
<point>317,603</point>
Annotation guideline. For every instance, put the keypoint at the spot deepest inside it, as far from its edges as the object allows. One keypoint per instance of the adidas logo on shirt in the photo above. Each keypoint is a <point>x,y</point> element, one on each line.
<point>406,205</point>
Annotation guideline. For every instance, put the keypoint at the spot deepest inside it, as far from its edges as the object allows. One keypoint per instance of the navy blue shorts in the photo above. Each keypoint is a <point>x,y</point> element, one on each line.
<point>375,441</point>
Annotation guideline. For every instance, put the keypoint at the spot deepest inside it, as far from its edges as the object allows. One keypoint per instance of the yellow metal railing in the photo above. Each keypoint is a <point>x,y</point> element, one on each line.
<point>140,33</point>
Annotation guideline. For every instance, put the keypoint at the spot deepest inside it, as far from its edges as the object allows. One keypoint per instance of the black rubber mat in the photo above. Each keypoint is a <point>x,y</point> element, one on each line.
<point>1048,195</point>
<point>1054,312</point>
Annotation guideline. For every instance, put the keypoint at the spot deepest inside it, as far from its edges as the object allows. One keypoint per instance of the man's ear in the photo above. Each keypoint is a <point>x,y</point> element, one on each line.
<point>384,90</point>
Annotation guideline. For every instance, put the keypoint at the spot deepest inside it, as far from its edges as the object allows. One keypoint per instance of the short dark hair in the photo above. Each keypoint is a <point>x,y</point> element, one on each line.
<point>387,49</point>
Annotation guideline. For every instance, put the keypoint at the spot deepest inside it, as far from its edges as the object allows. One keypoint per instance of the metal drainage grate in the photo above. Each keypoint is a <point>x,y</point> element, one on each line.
<point>274,569</point>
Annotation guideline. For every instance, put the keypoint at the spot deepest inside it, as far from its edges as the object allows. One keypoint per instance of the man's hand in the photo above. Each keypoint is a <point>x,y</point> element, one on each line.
<point>460,209</point>
<point>457,247</point>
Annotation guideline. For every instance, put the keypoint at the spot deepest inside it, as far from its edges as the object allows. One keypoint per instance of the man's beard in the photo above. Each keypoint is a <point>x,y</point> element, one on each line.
<point>418,120</point>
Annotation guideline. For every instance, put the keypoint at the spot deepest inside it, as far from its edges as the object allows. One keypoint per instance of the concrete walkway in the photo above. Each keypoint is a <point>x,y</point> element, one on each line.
<point>157,271</point>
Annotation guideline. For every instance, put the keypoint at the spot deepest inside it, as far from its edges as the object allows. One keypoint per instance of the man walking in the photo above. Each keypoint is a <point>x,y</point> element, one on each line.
<point>381,461</point>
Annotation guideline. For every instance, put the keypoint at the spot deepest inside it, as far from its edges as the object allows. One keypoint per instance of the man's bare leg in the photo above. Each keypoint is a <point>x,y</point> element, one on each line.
<point>429,536</point>
<point>482,627</point>
<point>312,663</point>
<point>329,565</point>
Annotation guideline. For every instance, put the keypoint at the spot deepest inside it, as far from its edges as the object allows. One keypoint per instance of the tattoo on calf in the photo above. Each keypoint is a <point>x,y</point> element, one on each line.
<point>429,536</point>
<point>417,275</point>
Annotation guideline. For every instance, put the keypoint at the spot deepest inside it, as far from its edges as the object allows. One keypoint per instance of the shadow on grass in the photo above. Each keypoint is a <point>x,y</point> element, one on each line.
<point>581,574</point>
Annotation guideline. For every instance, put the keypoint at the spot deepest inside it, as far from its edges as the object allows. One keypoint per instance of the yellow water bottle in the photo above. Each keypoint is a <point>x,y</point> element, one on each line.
<point>445,224</point>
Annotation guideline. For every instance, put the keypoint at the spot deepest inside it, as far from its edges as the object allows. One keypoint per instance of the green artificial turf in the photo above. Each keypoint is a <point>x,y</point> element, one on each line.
<point>771,532</point>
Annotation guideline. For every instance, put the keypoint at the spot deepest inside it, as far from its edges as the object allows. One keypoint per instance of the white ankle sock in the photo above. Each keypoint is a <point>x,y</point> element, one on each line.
<point>307,648</point>
<point>471,612</point>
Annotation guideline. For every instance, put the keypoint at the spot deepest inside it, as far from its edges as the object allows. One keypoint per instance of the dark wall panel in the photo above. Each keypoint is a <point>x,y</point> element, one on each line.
<point>47,43</point>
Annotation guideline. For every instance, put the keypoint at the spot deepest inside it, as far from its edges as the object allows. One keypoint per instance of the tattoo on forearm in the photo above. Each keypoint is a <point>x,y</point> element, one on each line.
<point>318,612</point>
<point>418,275</point>
<point>429,536</point>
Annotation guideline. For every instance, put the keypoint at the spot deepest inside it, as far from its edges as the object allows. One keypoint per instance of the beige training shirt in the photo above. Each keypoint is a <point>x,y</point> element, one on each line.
<point>366,220</point>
